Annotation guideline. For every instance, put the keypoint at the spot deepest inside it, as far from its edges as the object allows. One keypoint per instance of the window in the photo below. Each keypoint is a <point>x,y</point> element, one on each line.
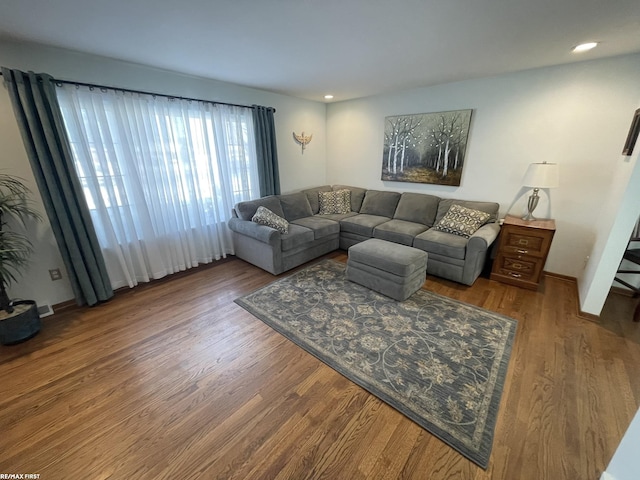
<point>160,176</point>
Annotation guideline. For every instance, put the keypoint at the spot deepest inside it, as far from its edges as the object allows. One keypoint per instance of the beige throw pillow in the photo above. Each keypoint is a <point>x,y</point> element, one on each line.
<point>264,216</point>
<point>462,221</point>
<point>336,202</point>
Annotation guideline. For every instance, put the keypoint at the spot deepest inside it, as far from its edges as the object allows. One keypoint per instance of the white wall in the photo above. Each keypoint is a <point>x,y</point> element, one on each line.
<point>576,115</point>
<point>625,464</point>
<point>296,170</point>
<point>621,211</point>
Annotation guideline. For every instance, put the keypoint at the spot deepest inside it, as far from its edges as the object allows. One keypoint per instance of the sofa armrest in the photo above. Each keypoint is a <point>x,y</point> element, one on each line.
<point>483,237</point>
<point>477,251</point>
<point>251,229</point>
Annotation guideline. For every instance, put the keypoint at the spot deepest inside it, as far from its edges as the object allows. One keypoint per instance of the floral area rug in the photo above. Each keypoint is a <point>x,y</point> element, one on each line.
<point>440,362</point>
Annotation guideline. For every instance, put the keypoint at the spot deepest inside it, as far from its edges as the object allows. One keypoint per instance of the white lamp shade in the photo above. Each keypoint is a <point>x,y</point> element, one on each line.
<point>541,175</point>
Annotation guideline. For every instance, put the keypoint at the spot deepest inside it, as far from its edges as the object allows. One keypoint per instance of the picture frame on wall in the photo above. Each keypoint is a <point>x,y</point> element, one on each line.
<point>632,136</point>
<point>426,147</point>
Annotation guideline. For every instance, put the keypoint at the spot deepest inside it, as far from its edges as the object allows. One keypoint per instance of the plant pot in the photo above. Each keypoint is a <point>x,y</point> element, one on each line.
<point>20,325</point>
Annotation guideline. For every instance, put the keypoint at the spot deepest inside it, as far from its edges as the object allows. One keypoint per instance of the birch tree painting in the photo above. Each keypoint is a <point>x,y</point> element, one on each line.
<point>426,148</point>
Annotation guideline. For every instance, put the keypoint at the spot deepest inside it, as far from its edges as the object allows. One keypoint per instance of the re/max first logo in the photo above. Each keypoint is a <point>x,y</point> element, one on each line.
<point>19,476</point>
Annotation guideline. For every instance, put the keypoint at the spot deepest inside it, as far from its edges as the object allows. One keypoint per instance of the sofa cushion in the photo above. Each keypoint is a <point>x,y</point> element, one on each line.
<point>295,205</point>
<point>380,203</point>
<point>321,227</point>
<point>490,207</point>
<point>312,196</point>
<point>357,195</point>
<point>297,236</point>
<point>418,208</point>
<point>337,201</point>
<point>362,224</point>
<point>246,210</point>
<point>442,243</point>
<point>462,221</point>
<point>264,216</point>
<point>399,231</point>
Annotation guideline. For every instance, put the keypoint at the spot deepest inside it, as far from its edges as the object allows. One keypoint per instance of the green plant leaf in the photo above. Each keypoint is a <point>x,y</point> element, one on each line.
<point>15,247</point>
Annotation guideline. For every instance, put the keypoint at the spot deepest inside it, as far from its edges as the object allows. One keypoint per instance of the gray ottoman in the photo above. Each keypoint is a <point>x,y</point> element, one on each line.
<point>394,270</point>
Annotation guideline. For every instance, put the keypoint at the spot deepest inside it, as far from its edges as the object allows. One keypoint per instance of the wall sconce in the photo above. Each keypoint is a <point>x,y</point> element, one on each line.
<point>302,139</point>
<point>539,175</point>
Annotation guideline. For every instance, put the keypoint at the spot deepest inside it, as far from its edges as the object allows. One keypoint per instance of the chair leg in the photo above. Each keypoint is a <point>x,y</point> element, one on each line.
<point>636,313</point>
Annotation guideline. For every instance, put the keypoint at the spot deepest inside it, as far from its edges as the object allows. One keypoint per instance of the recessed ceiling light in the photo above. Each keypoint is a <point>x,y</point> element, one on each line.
<point>583,47</point>
<point>328,97</point>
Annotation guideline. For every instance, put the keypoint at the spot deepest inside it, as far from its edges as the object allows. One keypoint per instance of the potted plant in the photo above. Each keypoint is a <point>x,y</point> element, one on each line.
<point>19,319</point>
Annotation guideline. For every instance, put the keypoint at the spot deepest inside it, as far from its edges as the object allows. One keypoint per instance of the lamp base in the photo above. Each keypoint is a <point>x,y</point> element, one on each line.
<point>531,205</point>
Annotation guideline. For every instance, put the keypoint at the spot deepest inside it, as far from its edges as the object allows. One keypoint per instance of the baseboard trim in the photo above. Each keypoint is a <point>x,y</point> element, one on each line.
<point>561,277</point>
<point>71,305</point>
<point>65,306</point>
<point>587,316</point>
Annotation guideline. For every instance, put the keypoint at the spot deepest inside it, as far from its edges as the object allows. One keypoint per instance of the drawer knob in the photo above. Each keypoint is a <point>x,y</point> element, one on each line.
<point>515,275</point>
<point>523,252</point>
<point>523,241</point>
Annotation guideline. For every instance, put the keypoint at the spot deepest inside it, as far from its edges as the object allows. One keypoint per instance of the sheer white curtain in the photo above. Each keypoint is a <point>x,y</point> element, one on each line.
<point>160,177</point>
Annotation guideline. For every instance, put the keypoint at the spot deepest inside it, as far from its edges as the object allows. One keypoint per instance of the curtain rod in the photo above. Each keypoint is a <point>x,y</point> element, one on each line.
<point>153,94</point>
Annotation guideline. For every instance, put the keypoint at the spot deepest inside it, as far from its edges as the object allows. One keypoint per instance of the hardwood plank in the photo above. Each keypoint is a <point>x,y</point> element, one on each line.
<point>173,380</point>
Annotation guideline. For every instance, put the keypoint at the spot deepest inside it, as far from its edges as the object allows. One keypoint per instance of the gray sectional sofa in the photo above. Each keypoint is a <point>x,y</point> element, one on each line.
<point>404,218</point>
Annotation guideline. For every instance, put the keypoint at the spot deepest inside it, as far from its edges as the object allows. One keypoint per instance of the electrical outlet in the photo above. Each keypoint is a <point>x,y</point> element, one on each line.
<point>55,274</point>
<point>45,310</point>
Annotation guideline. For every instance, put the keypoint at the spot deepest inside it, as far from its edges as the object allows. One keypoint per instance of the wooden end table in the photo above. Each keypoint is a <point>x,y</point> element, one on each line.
<point>523,248</point>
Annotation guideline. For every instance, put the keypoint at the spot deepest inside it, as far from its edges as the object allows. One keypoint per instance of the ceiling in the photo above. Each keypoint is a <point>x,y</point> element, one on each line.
<point>350,48</point>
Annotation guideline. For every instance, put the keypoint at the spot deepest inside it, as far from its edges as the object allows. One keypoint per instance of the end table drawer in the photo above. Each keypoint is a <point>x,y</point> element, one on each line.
<point>520,243</point>
<point>524,268</point>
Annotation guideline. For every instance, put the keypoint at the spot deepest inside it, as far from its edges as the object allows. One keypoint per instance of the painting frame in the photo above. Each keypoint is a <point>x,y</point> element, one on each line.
<point>426,147</point>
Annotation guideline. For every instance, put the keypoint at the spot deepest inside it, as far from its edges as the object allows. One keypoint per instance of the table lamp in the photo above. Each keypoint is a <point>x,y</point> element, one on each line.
<point>539,175</point>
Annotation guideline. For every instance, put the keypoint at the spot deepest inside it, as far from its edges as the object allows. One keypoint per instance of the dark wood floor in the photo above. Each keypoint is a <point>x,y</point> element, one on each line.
<point>173,380</point>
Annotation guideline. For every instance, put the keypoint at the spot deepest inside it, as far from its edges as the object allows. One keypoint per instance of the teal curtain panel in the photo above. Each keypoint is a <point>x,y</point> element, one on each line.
<point>34,101</point>
<point>266,149</point>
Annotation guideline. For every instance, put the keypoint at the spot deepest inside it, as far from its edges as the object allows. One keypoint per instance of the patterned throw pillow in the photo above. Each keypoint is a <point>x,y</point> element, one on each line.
<point>264,216</point>
<point>346,199</point>
<point>338,201</point>
<point>462,221</point>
